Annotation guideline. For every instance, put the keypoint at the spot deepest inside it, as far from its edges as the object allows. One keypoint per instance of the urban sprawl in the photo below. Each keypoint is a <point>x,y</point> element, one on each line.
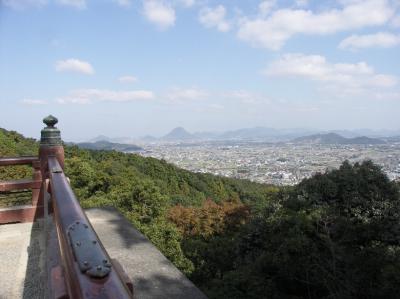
<point>273,163</point>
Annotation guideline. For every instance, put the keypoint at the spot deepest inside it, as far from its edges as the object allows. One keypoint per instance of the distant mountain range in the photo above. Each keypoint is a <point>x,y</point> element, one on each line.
<point>106,145</point>
<point>264,134</point>
<point>122,140</point>
<point>257,133</point>
<point>333,138</point>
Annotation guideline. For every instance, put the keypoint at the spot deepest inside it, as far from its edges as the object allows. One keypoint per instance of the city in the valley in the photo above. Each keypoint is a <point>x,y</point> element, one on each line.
<point>273,163</point>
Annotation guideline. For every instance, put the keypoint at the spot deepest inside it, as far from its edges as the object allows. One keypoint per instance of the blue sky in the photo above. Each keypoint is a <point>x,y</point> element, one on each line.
<point>131,68</point>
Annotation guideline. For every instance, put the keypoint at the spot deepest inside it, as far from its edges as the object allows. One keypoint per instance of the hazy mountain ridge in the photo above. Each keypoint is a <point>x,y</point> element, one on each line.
<point>256,133</point>
<point>333,138</point>
<point>265,134</point>
<point>121,140</point>
<point>178,133</point>
<point>106,145</point>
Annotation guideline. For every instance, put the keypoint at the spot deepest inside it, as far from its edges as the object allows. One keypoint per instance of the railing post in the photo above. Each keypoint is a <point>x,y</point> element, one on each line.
<point>50,145</point>
<point>37,193</point>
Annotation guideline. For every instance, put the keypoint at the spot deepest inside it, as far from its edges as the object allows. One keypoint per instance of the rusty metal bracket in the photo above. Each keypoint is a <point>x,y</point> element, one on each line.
<point>91,259</point>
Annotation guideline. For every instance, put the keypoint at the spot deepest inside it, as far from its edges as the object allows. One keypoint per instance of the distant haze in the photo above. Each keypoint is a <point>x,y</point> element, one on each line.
<point>262,134</point>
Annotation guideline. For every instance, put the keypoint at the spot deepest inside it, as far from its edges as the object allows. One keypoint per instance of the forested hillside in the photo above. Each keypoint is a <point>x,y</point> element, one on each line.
<point>335,235</point>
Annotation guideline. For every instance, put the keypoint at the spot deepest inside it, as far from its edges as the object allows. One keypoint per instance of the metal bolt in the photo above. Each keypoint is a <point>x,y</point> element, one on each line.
<point>86,226</point>
<point>86,263</point>
<point>105,261</point>
<point>77,222</point>
<point>99,268</point>
<point>78,243</point>
<point>94,241</point>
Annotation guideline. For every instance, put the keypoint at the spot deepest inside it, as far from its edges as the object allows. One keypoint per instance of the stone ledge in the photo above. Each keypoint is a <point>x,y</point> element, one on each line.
<point>153,275</point>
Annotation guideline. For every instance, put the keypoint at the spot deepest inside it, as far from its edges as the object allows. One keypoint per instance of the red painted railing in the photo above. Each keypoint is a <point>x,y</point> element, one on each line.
<point>88,269</point>
<point>78,264</point>
<point>23,213</point>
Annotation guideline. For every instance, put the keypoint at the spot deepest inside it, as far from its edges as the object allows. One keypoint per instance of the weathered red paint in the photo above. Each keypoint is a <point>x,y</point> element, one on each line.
<point>67,211</point>
<point>20,214</point>
<point>46,151</point>
<point>23,213</point>
<point>59,290</point>
<point>20,184</point>
<point>18,160</point>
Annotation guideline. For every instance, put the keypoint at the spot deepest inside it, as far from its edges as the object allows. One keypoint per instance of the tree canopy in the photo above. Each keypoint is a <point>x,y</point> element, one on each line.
<point>334,235</point>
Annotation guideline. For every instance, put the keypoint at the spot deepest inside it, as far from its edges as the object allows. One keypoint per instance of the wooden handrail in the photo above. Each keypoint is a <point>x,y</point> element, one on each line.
<point>88,269</point>
<point>20,184</point>
<point>11,161</point>
<point>36,209</point>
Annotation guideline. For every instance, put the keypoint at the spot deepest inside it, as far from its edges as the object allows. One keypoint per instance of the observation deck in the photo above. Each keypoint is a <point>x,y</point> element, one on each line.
<point>52,248</point>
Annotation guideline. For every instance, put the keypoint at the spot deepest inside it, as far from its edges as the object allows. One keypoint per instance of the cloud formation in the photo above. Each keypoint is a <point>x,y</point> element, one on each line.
<point>183,95</point>
<point>187,3</point>
<point>79,4</point>
<point>89,96</point>
<point>127,79</point>
<point>346,77</point>
<point>33,102</point>
<point>214,17</point>
<point>74,65</point>
<point>266,6</point>
<point>124,3</point>
<point>23,4</point>
<point>376,40</point>
<point>159,13</point>
<point>272,31</point>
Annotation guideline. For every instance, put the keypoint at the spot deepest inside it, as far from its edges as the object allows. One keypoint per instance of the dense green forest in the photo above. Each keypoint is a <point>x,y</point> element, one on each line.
<point>335,235</point>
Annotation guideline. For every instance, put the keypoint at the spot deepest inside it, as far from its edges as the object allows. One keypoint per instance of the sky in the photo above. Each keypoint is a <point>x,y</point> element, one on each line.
<point>137,67</point>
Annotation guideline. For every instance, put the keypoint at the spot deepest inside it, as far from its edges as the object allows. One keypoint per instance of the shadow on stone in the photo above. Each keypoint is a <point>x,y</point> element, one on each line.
<point>35,274</point>
<point>120,231</point>
<point>153,275</point>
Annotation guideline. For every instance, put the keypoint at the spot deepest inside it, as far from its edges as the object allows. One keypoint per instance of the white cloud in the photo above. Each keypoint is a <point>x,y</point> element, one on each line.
<point>124,3</point>
<point>396,21</point>
<point>22,4</point>
<point>33,102</point>
<point>380,39</point>
<point>265,7</point>
<point>188,3</point>
<point>74,65</point>
<point>181,95</point>
<point>127,79</point>
<point>301,3</point>
<point>214,17</point>
<point>159,12</point>
<point>273,31</point>
<point>79,4</point>
<point>88,96</point>
<point>344,77</point>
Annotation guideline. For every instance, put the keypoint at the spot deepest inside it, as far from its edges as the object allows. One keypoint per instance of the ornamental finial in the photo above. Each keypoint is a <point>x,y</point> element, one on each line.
<point>50,121</point>
<point>50,135</point>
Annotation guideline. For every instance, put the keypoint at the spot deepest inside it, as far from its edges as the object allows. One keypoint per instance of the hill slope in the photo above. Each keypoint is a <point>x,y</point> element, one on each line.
<point>333,138</point>
<point>335,235</point>
<point>109,146</point>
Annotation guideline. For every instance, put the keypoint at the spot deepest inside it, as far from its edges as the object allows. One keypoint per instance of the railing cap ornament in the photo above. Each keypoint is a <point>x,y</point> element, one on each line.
<point>50,135</point>
<point>50,121</point>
